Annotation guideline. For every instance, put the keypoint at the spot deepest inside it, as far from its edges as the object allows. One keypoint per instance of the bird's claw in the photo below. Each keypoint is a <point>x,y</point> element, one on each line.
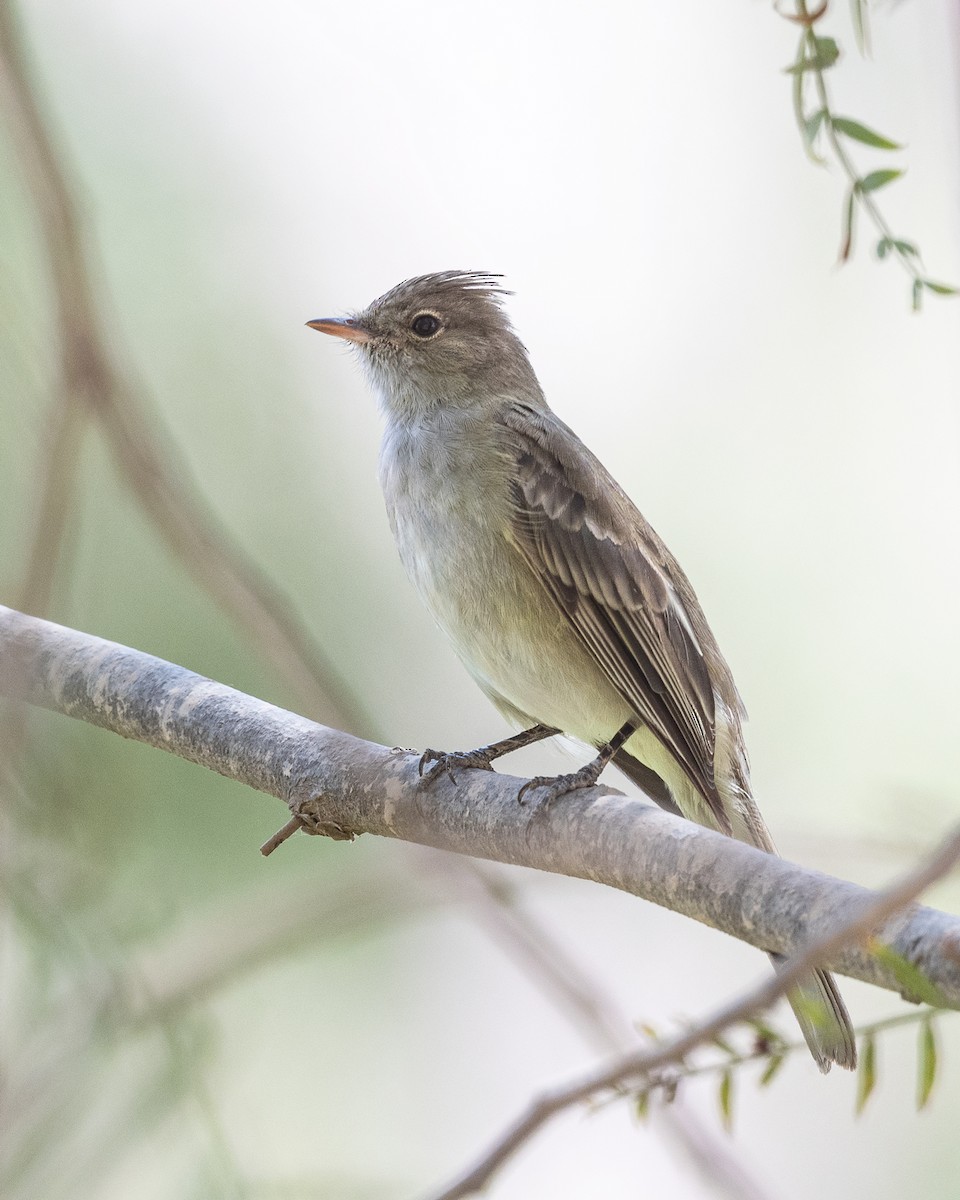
<point>556,786</point>
<point>440,762</point>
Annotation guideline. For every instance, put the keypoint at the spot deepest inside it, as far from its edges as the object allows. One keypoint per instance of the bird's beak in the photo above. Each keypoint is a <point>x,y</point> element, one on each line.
<point>346,328</point>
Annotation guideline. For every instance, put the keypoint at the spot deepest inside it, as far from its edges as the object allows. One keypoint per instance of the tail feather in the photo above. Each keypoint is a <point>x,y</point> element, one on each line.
<point>823,1020</point>
<point>816,1000</point>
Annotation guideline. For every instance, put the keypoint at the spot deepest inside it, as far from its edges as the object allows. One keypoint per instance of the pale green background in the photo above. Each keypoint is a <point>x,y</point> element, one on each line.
<point>789,427</point>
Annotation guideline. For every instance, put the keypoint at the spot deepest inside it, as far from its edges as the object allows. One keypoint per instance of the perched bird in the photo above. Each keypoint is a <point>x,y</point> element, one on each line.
<point>563,603</point>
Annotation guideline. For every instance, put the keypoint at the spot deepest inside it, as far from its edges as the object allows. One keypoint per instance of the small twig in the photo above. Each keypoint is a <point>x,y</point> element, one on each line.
<point>864,199</point>
<point>860,193</point>
<point>857,928</point>
<point>281,836</point>
<point>784,1048</point>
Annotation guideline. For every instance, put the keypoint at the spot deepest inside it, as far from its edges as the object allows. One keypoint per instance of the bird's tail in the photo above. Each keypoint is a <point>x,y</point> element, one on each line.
<point>823,1019</point>
<point>816,1000</point>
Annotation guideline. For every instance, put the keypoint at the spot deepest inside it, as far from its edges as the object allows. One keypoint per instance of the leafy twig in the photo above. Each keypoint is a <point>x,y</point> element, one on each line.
<point>773,1049</point>
<point>816,54</point>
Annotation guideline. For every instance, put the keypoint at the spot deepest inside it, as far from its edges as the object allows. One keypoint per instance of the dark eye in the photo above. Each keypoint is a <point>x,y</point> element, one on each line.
<point>425,325</point>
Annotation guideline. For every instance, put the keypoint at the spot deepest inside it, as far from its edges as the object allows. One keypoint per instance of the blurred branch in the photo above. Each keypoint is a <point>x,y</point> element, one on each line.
<point>859,924</point>
<point>341,786</point>
<point>55,482</point>
<point>216,950</point>
<point>534,948</point>
<point>148,461</point>
<point>493,904</point>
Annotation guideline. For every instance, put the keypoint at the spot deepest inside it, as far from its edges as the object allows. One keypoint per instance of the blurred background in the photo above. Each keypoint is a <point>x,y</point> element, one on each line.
<point>181,1017</point>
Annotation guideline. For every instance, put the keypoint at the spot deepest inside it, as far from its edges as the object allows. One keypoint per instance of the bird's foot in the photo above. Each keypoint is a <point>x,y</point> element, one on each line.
<point>555,786</point>
<point>480,760</point>
<point>437,762</point>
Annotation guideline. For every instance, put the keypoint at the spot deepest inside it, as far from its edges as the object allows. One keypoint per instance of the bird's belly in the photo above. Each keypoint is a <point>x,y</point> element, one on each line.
<point>508,632</point>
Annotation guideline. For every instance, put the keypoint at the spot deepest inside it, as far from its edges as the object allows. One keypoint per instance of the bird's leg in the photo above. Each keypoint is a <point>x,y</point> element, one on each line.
<point>446,764</point>
<point>559,785</point>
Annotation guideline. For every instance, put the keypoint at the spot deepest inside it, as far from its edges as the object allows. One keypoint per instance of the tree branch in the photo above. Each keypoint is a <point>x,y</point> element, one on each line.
<point>342,786</point>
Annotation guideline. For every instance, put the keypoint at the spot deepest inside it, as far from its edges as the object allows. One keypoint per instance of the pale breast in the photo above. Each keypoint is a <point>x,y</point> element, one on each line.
<point>448,500</point>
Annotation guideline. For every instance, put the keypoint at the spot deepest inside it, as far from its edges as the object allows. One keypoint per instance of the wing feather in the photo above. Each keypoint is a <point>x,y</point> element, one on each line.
<point>621,590</point>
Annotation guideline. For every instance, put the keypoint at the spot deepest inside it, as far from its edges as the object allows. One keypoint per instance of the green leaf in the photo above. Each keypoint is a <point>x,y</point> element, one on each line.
<point>885,245</point>
<point>771,1069</point>
<point>811,125</point>
<point>917,294</point>
<point>725,1099</point>
<point>825,54</point>
<point>927,1066</point>
<point>861,29</point>
<point>878,179</point>
<point>860,133</point>
<point>722,1044</point>
<point>846,243</point>
<point>797,68</point>
<point>867,1072</point>
<point>827,50</point>
<point>914,984</point>
<point>942,289</point>
<point>643,1105</point>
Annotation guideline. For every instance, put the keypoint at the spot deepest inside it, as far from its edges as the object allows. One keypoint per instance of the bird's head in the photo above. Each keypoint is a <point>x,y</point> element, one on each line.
<point>438,341</point>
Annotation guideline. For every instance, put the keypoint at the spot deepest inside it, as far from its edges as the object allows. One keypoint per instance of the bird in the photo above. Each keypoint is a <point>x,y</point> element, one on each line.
<point>561,600</point>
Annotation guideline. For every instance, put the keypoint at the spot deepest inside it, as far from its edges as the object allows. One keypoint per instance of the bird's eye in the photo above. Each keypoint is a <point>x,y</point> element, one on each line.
<point>425,325</point>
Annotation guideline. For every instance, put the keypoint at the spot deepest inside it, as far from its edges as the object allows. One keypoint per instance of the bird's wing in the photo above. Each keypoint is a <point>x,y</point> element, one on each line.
<point>618,586</point>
